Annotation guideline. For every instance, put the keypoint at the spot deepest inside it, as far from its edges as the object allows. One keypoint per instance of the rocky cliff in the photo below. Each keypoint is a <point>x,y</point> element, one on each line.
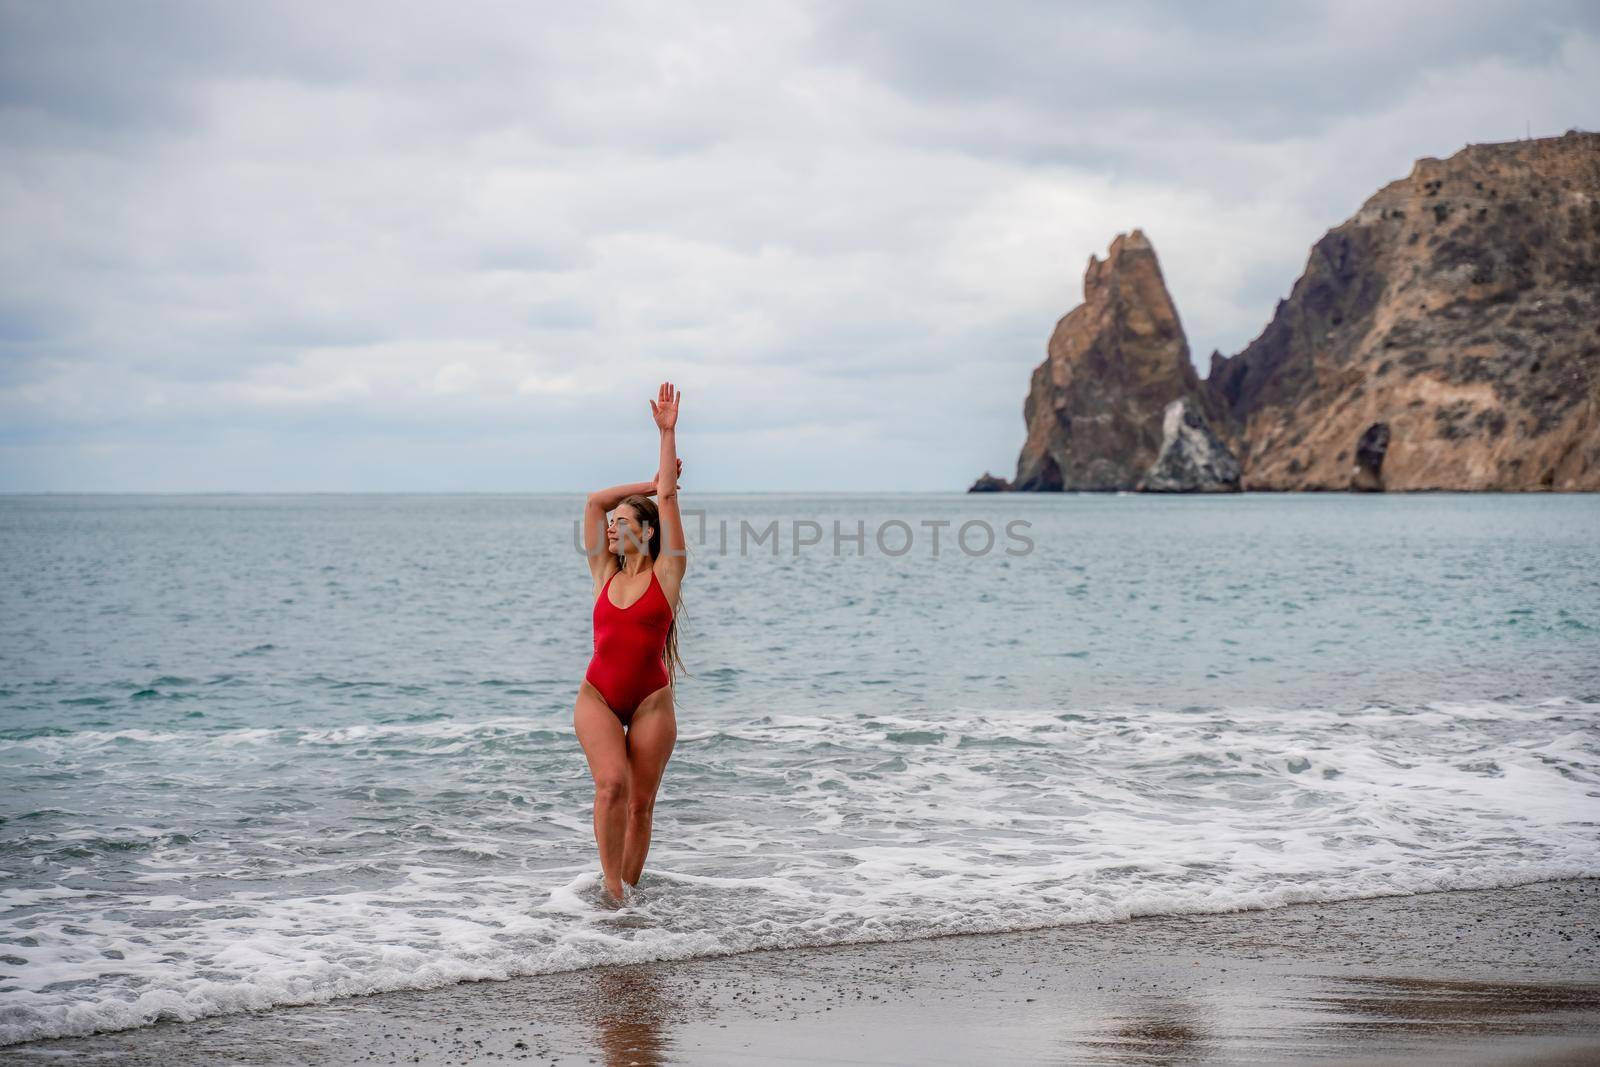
<point>1096,405</point>
<point>1446,336</point>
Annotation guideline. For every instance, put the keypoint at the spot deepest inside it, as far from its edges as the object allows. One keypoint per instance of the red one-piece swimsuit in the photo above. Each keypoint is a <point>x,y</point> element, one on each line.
<point>629,647</point>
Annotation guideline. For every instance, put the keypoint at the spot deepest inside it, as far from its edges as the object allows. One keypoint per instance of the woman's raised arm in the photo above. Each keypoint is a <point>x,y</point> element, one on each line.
<point>674,556</point>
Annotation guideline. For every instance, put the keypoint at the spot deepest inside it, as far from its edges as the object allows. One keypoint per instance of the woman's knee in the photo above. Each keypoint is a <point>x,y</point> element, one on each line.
<point>611,788</point>
<point>641,807</point>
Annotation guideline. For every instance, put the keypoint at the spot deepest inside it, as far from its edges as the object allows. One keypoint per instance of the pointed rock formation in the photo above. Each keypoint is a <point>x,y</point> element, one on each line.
<point>1446,336</point>
<point>1192,459</point>
<point>1096,405</point>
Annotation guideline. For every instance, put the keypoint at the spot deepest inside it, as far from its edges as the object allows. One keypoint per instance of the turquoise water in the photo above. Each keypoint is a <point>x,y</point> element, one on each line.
<point>276,749</point>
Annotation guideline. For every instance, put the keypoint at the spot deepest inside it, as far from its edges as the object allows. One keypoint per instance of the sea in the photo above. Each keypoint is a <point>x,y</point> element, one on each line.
<point>264,750</point>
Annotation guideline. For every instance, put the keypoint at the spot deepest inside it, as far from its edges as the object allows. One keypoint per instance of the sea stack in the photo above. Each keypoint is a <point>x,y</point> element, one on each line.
<point>1096,407</point>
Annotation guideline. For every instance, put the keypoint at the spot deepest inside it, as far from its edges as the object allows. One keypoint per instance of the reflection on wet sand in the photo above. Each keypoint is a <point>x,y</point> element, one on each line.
<point>1162,1030</point>
<point>631,1015</point>
<point>1434,1006</point>
<point>1388,1017</point>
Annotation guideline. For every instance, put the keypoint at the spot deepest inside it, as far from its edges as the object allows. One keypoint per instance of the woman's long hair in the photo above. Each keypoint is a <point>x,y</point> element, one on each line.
<point>647,511</point>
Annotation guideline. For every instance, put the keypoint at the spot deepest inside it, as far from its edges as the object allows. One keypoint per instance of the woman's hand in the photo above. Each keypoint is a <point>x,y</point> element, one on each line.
<point>664,409</point>
<point>655,482</point>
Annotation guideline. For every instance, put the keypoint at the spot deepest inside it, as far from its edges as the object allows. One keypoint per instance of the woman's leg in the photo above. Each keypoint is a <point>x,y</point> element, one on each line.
<point>651,735</point>
<point>606,747</point>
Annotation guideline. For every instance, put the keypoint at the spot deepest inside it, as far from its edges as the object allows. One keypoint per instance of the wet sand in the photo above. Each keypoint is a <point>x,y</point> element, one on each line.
<point>1479,977</point>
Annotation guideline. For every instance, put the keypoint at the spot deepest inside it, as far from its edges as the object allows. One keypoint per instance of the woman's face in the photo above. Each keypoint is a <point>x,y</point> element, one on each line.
<point>625,533</point>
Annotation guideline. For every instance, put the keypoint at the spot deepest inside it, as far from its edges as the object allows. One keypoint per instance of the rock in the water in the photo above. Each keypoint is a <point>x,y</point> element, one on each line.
<point>988,483</point>
<point>1095,406</point>
<point>1193,459</point>
<point>1370,450</point>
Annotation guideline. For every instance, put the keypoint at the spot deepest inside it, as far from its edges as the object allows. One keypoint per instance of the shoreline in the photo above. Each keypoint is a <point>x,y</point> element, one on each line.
<point>1460,976</point>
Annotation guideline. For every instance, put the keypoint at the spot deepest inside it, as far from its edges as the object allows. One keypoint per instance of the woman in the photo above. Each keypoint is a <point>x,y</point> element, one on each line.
<point>624,717</point>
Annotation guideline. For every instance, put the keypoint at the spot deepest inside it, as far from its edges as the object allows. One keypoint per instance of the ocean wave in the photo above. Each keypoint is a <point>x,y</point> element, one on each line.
<point>334,861</point>
<point>268,977</point>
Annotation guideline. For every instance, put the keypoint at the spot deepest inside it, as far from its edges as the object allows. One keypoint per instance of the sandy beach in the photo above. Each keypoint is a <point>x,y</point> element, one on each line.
<point>1487,976</point>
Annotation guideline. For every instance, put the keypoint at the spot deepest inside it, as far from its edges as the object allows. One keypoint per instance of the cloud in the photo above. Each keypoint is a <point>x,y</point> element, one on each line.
<point>264,235</point>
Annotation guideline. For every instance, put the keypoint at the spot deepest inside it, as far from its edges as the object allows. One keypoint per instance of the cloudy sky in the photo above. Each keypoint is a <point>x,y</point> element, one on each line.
<point>283,246</point>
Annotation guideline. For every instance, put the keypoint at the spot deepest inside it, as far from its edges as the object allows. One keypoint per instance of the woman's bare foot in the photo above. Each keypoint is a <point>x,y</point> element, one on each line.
<point>614,893</point>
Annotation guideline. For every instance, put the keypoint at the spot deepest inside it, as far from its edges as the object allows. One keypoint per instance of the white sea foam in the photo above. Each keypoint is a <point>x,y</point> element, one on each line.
<point>774,832</point>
